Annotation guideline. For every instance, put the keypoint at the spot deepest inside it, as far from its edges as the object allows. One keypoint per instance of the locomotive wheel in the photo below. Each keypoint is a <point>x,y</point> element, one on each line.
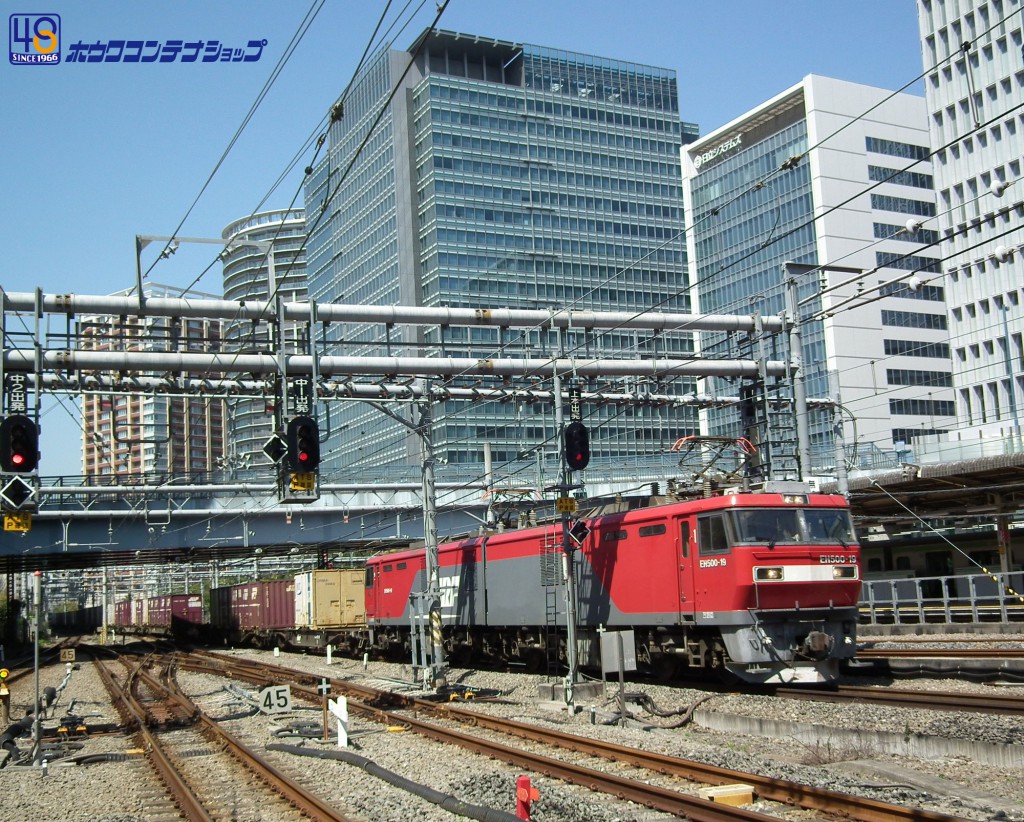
<point>534,660</point>
<point>665,667</point>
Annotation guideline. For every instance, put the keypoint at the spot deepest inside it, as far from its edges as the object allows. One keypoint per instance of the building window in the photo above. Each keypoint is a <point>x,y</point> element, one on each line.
<point>902,205</point>
<point>880,174</point>
<point>913,348</point>
<point>914,319</point>
<point>933,293</point>
<point>901,376</point>
<point>906,262</point>
<point>930,408</point>
<point>894,149</point>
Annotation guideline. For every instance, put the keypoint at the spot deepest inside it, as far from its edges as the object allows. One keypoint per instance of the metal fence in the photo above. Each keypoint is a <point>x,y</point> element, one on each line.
<point>963,598</point>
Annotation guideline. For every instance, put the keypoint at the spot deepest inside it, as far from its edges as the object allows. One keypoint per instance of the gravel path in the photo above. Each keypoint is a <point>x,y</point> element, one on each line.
<point>119,791</point>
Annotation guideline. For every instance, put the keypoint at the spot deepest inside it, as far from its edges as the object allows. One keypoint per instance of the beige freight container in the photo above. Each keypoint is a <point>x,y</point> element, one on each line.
<point>335,599</point>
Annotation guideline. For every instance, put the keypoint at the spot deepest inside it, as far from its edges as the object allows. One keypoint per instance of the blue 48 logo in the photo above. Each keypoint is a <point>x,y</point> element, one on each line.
<point>34,39</point>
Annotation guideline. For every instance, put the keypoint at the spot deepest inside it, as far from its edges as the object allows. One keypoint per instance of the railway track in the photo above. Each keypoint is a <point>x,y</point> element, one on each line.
<point>185,748</point>
<point>941,653</point>
<point>392,708</point>
<point>1005,704</point>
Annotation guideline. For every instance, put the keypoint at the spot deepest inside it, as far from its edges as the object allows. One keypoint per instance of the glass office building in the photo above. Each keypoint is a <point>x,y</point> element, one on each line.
<point>831,174</point>
<point>502,175</point>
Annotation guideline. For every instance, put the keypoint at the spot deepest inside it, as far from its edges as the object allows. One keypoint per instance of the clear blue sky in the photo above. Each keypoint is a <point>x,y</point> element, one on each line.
<point>94,154</point>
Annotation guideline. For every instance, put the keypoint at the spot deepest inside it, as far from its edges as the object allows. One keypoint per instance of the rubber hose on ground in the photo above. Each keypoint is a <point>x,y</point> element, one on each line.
<point>446,801</point>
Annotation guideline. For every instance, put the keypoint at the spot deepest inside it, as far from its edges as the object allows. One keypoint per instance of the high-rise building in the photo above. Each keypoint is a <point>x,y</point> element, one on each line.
<point>500,174</point>
<point>251,274</point>
<point>818,176</point>
<point>129,435</point>
<point>974,85</point>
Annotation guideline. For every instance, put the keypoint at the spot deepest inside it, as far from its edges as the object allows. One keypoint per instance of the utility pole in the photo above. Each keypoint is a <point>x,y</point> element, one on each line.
<point>568,557</point>
<point>796,358</point>
<point>436,671</point>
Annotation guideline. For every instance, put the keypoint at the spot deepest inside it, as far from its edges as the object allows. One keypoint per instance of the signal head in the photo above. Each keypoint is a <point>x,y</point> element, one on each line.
<point>576,444</point>
<point>303,440</point>
<point>19,444</point>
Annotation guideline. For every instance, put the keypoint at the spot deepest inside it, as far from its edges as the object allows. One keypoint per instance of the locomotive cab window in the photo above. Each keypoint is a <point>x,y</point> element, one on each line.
<point>711,535</point>
<point>767,525</point>
<point>369,576</point>
<point>829,525</point>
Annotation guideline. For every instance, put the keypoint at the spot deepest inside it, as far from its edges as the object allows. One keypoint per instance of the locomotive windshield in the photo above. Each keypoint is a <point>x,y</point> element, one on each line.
<point>787,525</point>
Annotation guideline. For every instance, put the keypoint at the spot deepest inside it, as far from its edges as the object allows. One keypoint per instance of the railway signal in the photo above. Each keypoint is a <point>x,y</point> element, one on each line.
<point>19,444</point>
<point>576,443</point>
<point>303,442</point>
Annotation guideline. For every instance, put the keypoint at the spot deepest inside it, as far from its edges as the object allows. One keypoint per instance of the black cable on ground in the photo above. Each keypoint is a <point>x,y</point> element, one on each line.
<point>446,801</point>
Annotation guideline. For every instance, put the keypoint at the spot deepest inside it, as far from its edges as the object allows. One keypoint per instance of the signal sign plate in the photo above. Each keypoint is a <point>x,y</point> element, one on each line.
<point>275,448</point>
<point>67,654</point>
<point>18,522</point>
<point>16,494</point>
<point>275,699</point>
<point>579,532</point>
<point>305,481</point>
<point>566,505</point>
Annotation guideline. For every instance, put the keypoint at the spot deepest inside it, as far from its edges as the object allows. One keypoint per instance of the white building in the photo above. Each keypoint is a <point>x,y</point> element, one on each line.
<point>974,87</point>
<point>836,174</point>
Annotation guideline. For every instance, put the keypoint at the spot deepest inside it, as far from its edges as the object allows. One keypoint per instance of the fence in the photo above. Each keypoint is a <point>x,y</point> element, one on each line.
<point>963,598</point>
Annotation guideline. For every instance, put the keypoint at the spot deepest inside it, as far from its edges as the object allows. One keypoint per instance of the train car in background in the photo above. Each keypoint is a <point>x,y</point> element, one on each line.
<point>77,622</point>
<point>178,614</point>
<point>260,612</point>
<point>759,586</point>
<point>124,612</point>
<point>330,609</point>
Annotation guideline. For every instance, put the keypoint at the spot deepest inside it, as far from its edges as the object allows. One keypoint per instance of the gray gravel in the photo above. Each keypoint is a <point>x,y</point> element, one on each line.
<point>957,786</point>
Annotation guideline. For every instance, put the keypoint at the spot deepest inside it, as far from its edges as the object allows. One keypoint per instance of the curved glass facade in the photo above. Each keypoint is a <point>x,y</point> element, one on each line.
<point>248,276</point>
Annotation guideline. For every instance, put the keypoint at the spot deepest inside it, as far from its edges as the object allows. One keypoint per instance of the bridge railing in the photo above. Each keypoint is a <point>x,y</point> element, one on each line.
<point>964,598</point>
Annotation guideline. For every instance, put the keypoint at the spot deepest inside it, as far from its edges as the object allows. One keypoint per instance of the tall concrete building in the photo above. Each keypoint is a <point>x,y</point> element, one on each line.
<point>251,273</point>
<point>130,435</point>
<point>819,176</point>
<point>501,174</point>
<point>974,87</point>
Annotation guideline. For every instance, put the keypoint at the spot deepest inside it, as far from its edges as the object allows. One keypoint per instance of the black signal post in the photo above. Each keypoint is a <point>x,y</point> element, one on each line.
<point>19,445</point>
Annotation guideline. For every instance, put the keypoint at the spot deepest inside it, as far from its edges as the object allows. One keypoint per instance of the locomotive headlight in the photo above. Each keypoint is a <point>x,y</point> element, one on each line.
<point>844,572</point>
<point>766,574</point>
<point>795,499</point>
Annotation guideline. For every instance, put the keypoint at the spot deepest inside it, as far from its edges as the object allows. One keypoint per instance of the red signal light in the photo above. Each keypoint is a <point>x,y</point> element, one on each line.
<point>303,443</point>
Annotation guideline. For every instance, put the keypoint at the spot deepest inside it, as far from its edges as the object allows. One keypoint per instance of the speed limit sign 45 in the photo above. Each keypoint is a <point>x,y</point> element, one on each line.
<point>276,699</point>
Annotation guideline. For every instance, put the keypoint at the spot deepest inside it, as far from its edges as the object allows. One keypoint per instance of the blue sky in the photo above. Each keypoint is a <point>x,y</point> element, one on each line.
<point>96,153</point>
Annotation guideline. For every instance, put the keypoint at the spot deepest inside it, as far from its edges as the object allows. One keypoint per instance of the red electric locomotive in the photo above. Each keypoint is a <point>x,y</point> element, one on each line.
<point>761,586</point>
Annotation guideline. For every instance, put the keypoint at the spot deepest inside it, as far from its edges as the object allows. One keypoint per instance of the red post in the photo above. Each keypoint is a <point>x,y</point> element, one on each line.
<point>525,794</point>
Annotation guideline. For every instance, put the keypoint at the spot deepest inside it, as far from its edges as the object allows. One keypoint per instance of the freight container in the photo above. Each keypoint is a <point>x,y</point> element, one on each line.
<point>304,599</point>
<point>254,606</point>
<point>164,611</point>
<point>221,615</point>
<point>123,613</point>
<point>330,599</point>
